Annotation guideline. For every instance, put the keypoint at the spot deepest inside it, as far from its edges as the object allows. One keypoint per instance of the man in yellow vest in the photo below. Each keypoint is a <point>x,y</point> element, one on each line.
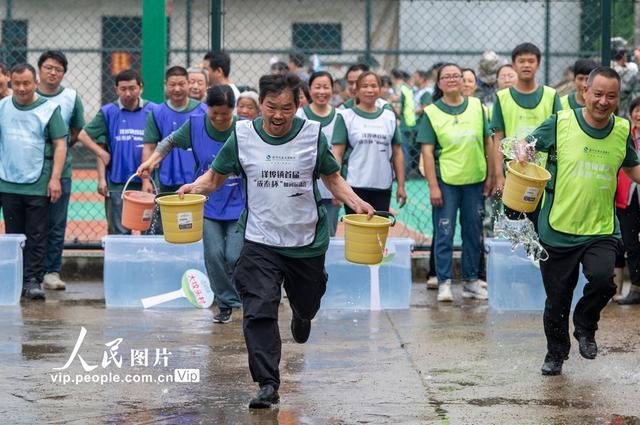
<point>577,223</point>
<point>519,109</point>
<point>581,70</point>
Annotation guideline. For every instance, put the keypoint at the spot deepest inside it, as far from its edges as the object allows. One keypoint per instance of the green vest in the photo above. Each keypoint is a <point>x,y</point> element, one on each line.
<point>586,177</point>
<point>408,117</point>
<point>519,122</point>
<point>569,102</point>
<point>461,138</point>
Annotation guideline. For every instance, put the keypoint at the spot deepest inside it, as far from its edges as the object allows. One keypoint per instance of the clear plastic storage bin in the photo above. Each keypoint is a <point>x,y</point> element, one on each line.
<point>11,268</point>
<point>354,286</point>
<point>137,267</point>
<point>515,283</point>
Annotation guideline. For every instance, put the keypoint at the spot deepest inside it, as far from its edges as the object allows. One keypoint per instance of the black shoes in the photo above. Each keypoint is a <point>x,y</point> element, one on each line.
<point>32,290</point>
<point>223,316</point>
<point>588,346</point>
<point>552,365</point>
<point>633,297</point>
<point>267,396</point>
<point>300,329</point>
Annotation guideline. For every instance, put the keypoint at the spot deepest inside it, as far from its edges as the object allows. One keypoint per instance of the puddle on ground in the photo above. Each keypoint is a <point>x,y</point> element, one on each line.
<point>40,351</point>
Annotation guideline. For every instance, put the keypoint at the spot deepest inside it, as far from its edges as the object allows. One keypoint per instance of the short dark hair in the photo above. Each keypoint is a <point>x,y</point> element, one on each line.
<point>356,67</point>
<point>176,71</point>
<point>584,67</point>
<point>221,95</point>
<point>4,69</point>
<point>634,104</point>
<point>56,55</point>
<point>320,74</point>
<point>220,60</point>
<point>605,71</point>
<point>279,67</point>
<point>423,74</point>
<point>298,59</point>
<point>128,75</point>
<point>22,67</point>
<point>398,74</point>
<point>525,49</point>
<point>277,83</point>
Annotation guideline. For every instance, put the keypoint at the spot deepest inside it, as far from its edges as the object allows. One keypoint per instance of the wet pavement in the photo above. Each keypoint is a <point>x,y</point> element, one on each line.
<point>443,364</point>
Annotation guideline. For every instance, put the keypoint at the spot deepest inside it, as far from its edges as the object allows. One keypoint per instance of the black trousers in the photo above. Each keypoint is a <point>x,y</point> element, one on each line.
<point>379,199</point>
<point>560,277</point>
<point>28,215</point>
<point>630,228</point>
<point>258,274</point>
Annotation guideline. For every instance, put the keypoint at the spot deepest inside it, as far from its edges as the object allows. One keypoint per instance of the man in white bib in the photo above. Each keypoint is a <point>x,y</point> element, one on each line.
<point>284,223</point>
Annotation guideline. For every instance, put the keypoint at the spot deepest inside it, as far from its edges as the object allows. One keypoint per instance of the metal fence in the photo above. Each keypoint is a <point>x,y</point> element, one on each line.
<point>102,38</point>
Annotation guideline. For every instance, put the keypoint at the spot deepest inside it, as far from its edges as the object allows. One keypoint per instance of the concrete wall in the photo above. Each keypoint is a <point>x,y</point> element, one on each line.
<point>458,26</point>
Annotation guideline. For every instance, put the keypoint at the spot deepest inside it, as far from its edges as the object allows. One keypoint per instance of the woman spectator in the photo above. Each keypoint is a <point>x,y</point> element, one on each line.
<point>374,144</point>
<point>506,76</point>
<point>321,110</point>
<point>469,82</point>
<point>456,146</point>
<point>248,106</point>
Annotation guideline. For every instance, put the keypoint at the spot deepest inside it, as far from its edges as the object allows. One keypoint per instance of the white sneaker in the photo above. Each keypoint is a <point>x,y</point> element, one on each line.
<point>444,292</point>
<point>482,283</point>
<point>53,281</point>
<point>473,289</point>
<point>432,282</point>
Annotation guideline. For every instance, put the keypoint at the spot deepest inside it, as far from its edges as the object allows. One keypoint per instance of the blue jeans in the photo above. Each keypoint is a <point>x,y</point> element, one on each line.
<point>113,210</point>
<point>57,227</point>
<point>332,215</point>
<point>467,199</point>
<point>222,245</point>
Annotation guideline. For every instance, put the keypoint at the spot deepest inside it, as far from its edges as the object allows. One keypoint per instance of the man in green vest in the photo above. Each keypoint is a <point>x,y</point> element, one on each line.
<point>581,70</point>
<point>519,109</point>
<point>577,223</point>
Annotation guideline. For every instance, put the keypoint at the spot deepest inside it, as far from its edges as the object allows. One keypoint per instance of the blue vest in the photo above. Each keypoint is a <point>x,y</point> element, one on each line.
<point>126,140</point>
<point>22,143</point>
<point>178,167</point>
<point>227,202</point>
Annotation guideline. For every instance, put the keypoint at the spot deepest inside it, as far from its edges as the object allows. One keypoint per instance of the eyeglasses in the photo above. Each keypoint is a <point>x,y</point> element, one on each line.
<point>451,77</point>
<point>50,68</point>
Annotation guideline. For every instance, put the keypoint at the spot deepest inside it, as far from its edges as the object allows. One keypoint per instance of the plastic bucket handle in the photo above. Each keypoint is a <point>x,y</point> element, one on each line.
<point>155,189</point>
<point>388,215</point>
<point>163,194</point>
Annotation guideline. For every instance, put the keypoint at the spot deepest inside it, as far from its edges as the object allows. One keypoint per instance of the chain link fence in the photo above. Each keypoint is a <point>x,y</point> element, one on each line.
<point>102,38</point>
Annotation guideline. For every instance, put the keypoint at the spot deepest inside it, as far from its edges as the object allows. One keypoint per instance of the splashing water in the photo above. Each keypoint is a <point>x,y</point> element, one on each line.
<point>520,232</point>
<point>513,148</point>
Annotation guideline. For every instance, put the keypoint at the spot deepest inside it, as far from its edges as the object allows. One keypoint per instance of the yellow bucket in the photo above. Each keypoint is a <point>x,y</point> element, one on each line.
<point>364,239</point>
<point>524,186</point>
<point>182,218</point>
